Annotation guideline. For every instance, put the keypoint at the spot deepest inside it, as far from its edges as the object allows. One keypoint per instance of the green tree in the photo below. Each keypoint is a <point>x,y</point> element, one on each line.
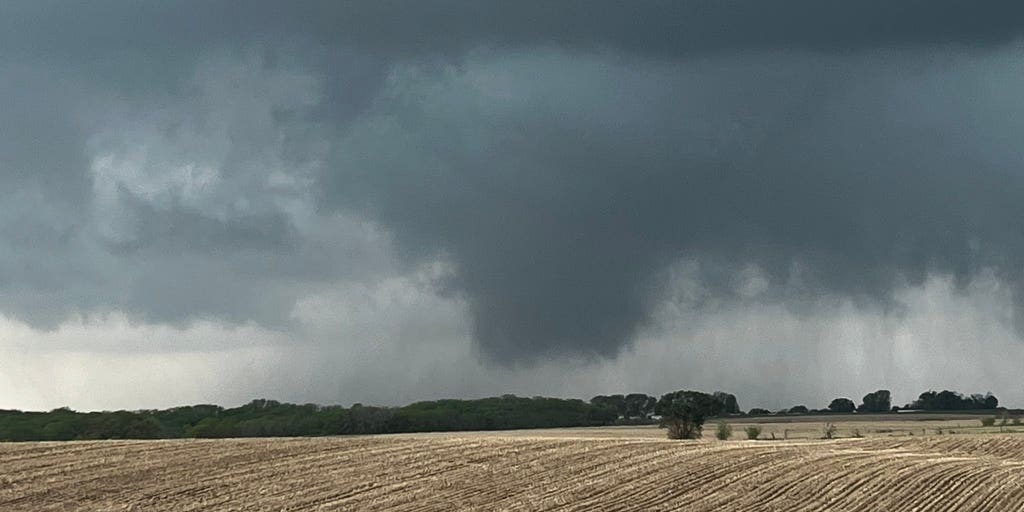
<point>879,401</point>
<point>639,405</point>
<point>729,403</point>
<point>613,403</point>
<point>842,405</point>
<point>684,412</point>
<point>947,400</point>
<point>213,427</point>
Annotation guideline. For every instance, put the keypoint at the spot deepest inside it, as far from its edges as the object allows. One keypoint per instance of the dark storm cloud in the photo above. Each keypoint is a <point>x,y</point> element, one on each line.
<point>561,156</point>
<point>561,205</point>
<point>144,32</point>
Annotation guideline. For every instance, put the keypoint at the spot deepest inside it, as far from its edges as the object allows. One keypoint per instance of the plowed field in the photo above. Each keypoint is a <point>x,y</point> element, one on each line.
<point>517,472</point>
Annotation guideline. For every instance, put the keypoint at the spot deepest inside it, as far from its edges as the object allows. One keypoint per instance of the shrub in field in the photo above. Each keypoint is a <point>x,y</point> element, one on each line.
<point>753,431</point>
<point>724,431</point>
<point>829,431</point>
<point>856,433</point>
<point>1016,421</point>
<point>988,422</point>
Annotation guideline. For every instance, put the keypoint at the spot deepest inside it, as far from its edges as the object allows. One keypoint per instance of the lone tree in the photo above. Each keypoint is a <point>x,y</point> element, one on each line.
<point>842,405</point>
<point>684,412</point>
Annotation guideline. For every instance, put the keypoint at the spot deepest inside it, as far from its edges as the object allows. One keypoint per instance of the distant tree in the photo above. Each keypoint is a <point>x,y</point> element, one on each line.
<point>975,401</point>
<point>615,403</point>
<point>798,409</point>
<point>264,417</point>
<point>925,401</point>
<point>757,411</point>
<point>213,427</point>
<point>842,405</point>
<point>991,402</point>
<point>728,401</point>
<point>950,401</point>
<point>879,401</point>
<point>947,400</point>
<point>639,405</point>
<point>684,412</point>
<point>119,425</point>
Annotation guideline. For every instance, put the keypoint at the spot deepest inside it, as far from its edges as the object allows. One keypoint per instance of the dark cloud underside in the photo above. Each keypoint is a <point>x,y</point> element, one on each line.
<point>185,160</point>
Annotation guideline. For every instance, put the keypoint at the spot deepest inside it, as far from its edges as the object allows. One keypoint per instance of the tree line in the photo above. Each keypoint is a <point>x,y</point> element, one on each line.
<point>270,418</point>
<point>881,402</point>
<point>683,412</point>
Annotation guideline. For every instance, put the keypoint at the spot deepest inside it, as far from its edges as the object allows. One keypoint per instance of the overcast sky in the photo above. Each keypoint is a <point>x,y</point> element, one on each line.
<point>382,202</point>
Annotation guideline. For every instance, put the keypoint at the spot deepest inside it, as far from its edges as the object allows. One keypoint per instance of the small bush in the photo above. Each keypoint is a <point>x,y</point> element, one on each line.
<point>856,433</point>
<point>724,431</point>
<point>1016,420</point>
<point>753,431</point>
<point>829,431</point>
<point>988,422</point>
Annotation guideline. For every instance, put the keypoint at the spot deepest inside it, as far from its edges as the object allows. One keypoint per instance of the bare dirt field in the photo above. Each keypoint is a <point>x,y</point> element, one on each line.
<point>606,469</point>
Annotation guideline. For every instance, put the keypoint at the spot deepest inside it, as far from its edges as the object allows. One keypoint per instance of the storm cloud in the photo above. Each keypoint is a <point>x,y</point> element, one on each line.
<point>539,175</point>
<point>561,203</point>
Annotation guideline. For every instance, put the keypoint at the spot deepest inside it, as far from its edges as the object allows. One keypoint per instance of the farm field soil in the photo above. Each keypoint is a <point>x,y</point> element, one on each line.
<point>795,427</point>
<point>495,471</point>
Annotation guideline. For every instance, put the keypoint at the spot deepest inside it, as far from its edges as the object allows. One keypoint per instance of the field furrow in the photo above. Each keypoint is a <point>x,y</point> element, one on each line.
<point>500,471</point>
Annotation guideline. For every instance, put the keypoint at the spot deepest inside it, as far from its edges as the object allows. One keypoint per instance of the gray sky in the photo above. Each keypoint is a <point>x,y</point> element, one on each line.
<point>382,202</point>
